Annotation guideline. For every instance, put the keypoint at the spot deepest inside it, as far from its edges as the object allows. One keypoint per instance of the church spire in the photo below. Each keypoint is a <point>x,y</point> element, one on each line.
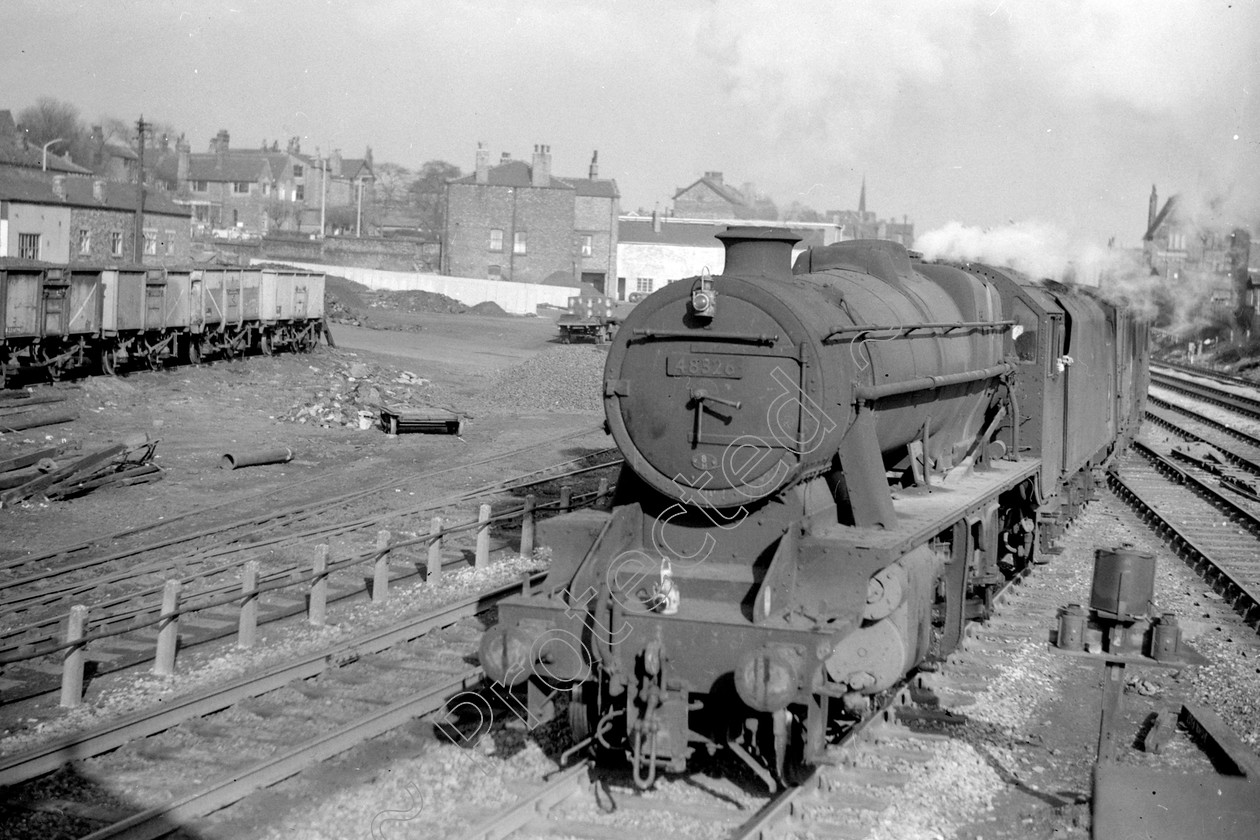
<point>862,198</point>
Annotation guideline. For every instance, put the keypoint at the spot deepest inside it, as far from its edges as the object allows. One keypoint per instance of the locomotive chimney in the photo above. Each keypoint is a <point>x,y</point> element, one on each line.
<point>764,252</point>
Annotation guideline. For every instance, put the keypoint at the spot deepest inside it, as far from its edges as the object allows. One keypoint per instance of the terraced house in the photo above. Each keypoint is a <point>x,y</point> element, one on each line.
<point>63,219</point>
<point>254,191</point>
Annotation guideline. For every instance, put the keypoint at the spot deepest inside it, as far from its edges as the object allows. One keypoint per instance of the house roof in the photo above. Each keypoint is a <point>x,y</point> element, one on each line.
<point>230,167</point>
<point>118,151</point>
<point>730,194</point>
<point>14,151</point>
<point>518,173</point>
<point>37,188</point>
<point>594,187</point>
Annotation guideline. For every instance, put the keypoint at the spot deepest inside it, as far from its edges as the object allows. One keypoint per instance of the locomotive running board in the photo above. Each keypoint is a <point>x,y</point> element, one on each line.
<point>925,512</point>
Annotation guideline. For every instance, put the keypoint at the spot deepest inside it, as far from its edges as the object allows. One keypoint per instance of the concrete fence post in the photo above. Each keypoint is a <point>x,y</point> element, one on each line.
<point>527,527</point>
<point>247,629</point>
<point>566,497</point>
<point>482,558</point>
<point>318,609</point>
<point>380,576</point>
<point>602,492</point>
<point>168,630</point>
<point>434,569</point>
<point>72,666</point>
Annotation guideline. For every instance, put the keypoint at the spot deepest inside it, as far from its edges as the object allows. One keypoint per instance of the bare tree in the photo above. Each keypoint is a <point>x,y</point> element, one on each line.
<point>392,181</point>
<point>429,192</point>
<point>51,119</point>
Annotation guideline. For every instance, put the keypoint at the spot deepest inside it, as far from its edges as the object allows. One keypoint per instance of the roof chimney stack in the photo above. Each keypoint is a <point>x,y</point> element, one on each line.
<point>594,165</point>
<point>59,186</point>
<point>540,173</point>
<point>98,190</point>
<point>483,165</point>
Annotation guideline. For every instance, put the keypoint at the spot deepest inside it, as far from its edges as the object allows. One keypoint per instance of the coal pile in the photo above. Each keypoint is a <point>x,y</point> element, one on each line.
<point>490,308</point>
<point>560,379</point>
<point>417,301</point>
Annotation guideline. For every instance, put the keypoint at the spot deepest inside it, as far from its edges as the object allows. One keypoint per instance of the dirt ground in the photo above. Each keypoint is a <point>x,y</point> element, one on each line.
<point>313,403</point>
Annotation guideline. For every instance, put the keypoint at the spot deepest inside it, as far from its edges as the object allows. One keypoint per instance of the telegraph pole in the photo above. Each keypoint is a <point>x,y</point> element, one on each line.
<point>141,128</point>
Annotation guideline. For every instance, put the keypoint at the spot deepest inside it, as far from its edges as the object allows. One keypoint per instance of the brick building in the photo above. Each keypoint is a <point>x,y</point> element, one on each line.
<point>254,191</point>
<point>62,219</point>
<point>710,198</point>
<point>517,221</point>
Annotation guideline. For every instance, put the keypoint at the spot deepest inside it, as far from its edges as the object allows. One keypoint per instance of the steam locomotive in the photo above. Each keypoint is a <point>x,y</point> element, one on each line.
<point>829,468</point>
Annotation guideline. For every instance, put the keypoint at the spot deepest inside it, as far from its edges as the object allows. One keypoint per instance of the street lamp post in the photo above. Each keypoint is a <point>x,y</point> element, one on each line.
<point>46,145</point>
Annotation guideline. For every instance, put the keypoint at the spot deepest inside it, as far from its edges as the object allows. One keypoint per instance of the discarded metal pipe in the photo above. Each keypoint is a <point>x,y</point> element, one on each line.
<point>254,459</point>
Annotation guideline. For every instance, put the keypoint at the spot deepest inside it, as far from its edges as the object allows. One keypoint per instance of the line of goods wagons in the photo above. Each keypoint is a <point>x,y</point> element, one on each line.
<point>59,317</point>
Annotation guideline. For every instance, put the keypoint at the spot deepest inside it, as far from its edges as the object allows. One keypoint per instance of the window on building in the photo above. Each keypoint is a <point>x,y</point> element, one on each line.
<point>200,186</point>
<point>494,272</point>
<point>240,186</point>
<point>150,241</point>
<point>586,245</point>
<point>170,242</point>
<point>28,246</point>
<point>496,240</point>
<point>266,188</point>
<point>643,284</point>
<point>518,242</point>
<point>299,193</point>
<point>297,170</point>
<point>115,243</point>
<point>85,241</point>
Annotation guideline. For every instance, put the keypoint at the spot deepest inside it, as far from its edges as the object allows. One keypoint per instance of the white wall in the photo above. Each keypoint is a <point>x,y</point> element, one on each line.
<point>51,223</point>
<point>517,298</point>
<point>665,263</point>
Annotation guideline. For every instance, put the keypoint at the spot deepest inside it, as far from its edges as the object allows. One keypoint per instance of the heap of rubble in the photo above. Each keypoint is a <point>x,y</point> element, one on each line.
<point>354,394</point>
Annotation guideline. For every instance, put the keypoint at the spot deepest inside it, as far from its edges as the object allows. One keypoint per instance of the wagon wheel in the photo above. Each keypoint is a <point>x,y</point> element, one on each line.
<point>229,349</point>
<point>109,361</point>
<point>564,337</point>
<point>153,358</point>
<point>54,371</point>
<point>194,350</point>
<point>265,343</point>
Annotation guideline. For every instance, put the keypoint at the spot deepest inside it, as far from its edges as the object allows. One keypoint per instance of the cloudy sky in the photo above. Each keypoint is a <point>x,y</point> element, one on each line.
<point>1037,112</point>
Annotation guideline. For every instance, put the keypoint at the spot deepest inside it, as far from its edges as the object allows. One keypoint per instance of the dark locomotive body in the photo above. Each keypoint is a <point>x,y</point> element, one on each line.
<point>827,470</point>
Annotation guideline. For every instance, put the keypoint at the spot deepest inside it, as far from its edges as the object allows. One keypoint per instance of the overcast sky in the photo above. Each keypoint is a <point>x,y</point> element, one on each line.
<point>1047,112</point>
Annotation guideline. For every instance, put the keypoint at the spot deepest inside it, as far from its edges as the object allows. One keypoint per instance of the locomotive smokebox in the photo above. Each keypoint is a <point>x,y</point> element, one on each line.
<point>758,252</point>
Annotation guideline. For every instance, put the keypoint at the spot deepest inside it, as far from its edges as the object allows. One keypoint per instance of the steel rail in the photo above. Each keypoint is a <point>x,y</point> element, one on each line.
<point>235,786</point>
<point>1244,405</point>
<point>1215,425</point>
<point>1208,373</point>
<point>526,479</point>
<point>49,757</point>
<point>565,783</point>
<point>1242,596</point>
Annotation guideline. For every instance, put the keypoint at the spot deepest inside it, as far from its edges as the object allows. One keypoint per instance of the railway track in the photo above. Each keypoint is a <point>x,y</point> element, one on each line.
<point>864,774</point>
<point>29,673</point>
<point>1213,531</point>
<point>1239,447</point>
<point>1234,399</point>
<point>1207,373</point>
<point>215,747</point>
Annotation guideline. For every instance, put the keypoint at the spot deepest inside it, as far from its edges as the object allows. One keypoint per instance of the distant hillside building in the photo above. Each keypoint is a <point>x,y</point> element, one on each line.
<point>863,224</point>
<point>517,221</point>
<point>1184,249</point>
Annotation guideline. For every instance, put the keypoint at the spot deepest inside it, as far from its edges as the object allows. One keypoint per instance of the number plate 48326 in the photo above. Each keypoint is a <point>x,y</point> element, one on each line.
<point>705,364</point>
